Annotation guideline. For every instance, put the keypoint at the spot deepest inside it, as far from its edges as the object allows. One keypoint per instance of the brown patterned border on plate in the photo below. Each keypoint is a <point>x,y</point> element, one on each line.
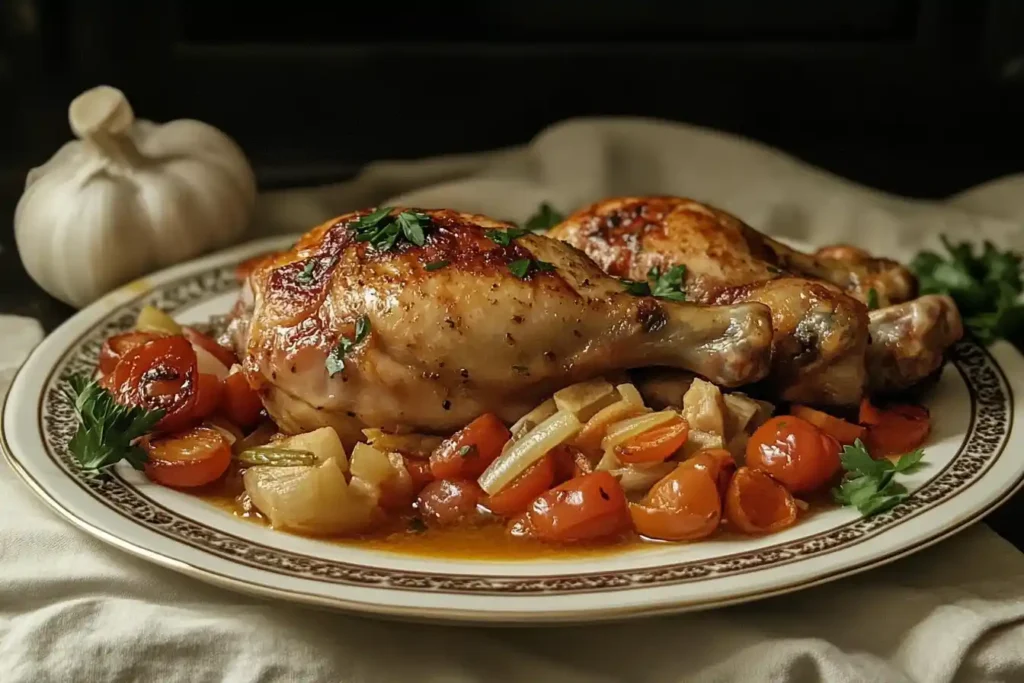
<point>991,420</point>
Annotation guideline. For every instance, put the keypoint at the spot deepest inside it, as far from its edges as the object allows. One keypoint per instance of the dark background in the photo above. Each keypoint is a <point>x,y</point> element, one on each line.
<point>920,98</point>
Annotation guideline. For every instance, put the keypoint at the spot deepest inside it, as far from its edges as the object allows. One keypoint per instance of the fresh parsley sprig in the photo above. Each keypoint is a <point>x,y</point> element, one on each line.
<point>383,230</point>
<point>335,362</point>
<point>668,285</point>
<point>523,267</point>
<point>544,219</point>
<point>305,276</point>
<point>872,299</point>
<point>869,484</point>
<point>986,287</point>
<point>107,430</point>
<point>505,237</point>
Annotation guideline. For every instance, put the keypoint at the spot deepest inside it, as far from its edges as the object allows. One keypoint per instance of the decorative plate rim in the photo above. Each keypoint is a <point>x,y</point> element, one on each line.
<point>987,384</point>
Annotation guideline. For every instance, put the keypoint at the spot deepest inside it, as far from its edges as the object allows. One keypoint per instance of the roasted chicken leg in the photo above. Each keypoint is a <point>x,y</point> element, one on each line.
<point>337,332</point>
<point>821,325</point>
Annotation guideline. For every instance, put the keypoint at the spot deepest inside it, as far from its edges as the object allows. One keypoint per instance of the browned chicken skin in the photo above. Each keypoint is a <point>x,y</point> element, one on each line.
<point>821,325</point>
<point>465,336</point>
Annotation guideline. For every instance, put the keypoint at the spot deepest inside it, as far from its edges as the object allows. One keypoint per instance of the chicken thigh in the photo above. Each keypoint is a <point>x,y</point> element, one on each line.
<point>821,323</point>
<point>339,332</point>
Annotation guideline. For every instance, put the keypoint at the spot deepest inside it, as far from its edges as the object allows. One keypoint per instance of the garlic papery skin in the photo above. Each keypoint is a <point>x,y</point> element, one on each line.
<point>128,197</point>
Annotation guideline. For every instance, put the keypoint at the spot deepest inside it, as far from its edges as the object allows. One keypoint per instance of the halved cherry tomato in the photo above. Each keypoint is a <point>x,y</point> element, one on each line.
<point>655,445</point>
<point>757,504</point>
<point>842,431</point>
<point>446,501</point>
<point>468,452</point>
<point>795,452</point>
<point>221,353</point>
<point>209,395</point>
<point>115,347</point>
<point>192,458</point>
<point>524,489</point>
<point>683,506</point>
<point>160,374</point>
<point>717,462</point>
<point>894,430</point>
<point>419,470</point>
<point>589,507</point>
<point>241,404</point>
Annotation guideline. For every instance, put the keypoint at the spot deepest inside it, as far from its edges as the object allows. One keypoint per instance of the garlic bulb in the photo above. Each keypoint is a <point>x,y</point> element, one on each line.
<point>128,197</point>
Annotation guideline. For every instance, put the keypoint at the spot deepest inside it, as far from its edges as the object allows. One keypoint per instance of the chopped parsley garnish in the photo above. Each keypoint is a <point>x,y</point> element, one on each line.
<point>872,299</point>
<point>335,362</point>
<point>636,288</point>
<point>521,268</point>
<point>306,275</point>
<point>869,484</point>
<point>505,237</point>
<point>986,287</point>
<point>664,286</point>
<point>383,230</point>
<point>107,430</point>
<point>468,451</point>
<point>436,265</point>
<point>544,219</point>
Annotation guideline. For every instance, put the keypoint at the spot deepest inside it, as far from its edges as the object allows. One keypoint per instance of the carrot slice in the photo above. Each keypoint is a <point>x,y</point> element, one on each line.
<point>241,403</point>
<point>897,429</point>
<point>842,431</point>
<point>869,414</point>
<point>187,459</point>
<point>655,445</point>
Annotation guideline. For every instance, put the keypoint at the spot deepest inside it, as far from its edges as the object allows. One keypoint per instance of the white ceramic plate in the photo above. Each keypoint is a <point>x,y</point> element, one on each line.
<point>975,462</point>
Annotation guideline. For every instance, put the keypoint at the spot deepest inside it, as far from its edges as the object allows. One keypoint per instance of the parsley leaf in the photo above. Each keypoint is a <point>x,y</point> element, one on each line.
<point>986,287</point>
<point>436,265</point>
<point>910,462</point>
<point>306,276</point>
<point>468,451</point>
<point>106,429</point>
<point>670,285</point>
<point>383,230</point>
<point>544,219</point>
<point>521,268</point>
<point>872,299</point>
<point>335,362</point>
<point>505,237</point>
<point>636,288</point>
<point>869,484</point>
<point>413,225</point>
<point>664,286</point>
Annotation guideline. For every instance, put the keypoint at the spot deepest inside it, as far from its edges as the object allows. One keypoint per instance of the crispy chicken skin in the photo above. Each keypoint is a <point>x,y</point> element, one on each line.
<point>822,332</point>
<point>465,336</point>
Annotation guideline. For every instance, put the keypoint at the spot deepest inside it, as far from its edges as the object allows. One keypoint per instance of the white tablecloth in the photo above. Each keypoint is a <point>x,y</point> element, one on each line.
<point>72,609</point>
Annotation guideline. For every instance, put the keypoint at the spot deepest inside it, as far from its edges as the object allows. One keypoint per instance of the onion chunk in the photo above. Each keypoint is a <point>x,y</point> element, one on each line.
<point>557,429</point>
